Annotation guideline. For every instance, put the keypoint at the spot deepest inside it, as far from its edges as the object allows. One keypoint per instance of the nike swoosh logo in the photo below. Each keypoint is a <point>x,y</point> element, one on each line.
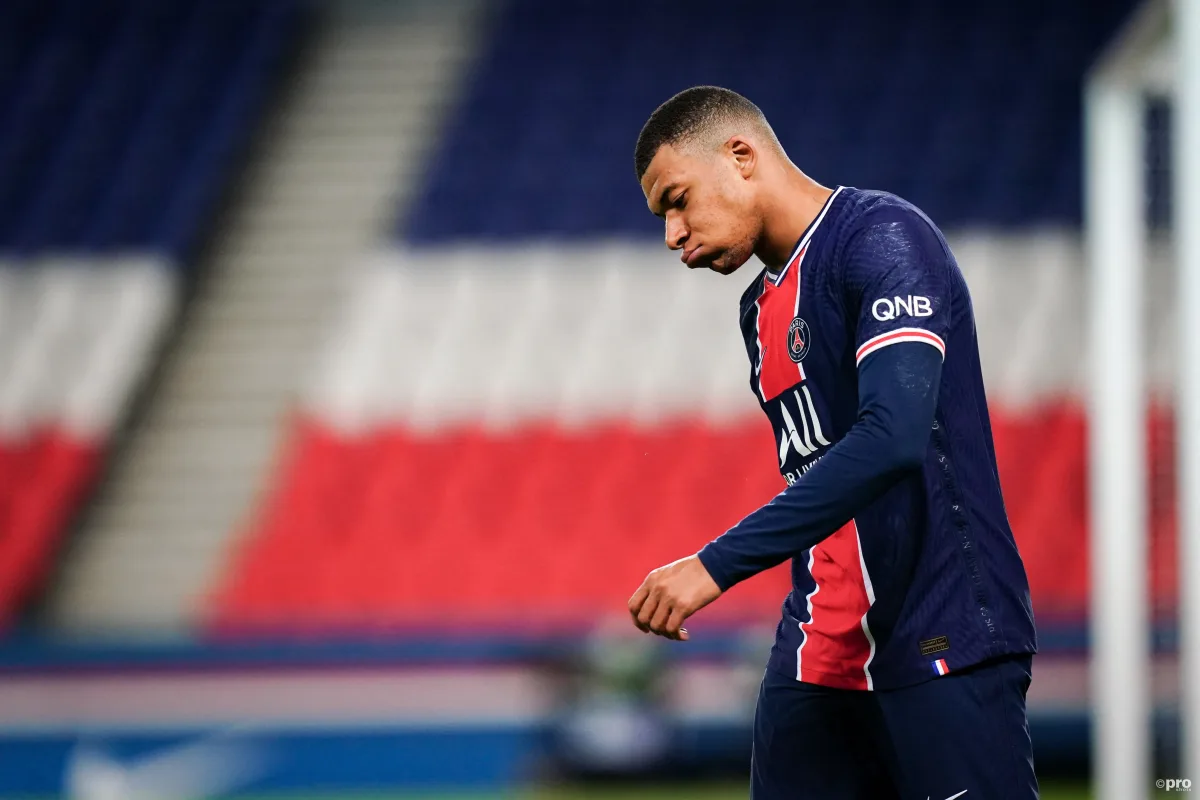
<point>211,765</point>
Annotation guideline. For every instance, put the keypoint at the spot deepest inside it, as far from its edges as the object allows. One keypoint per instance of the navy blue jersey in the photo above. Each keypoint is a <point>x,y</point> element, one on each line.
<point>926,577</point>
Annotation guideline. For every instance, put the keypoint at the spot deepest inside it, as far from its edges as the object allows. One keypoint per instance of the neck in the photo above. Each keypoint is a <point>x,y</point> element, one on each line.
<point>793,201</point>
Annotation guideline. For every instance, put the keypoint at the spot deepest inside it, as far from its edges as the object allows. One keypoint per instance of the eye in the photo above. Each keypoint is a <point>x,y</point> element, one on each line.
<point>681,201</point>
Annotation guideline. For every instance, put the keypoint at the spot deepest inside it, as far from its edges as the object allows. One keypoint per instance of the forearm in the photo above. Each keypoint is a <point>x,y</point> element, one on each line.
<point>898,397</point>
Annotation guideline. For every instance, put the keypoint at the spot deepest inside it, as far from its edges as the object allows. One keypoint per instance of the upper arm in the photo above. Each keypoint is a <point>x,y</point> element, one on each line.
<point>896,281</point>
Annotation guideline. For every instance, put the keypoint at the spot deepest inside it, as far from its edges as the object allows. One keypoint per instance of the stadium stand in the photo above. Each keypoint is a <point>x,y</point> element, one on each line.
<point>525,409</point>
<point>524,402</point>
<point>971,112</point>
<point>452,464</point>
<point>356,114</point>
<point>119,123</point>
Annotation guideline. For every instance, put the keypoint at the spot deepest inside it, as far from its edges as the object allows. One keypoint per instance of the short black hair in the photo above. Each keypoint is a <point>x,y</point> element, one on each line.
<point>691,112</point>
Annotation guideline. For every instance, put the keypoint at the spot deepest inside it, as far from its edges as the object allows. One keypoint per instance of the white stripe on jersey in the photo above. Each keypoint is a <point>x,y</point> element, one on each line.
<point>895,337</point>
<point>804,633</point>
<point>862,562</point>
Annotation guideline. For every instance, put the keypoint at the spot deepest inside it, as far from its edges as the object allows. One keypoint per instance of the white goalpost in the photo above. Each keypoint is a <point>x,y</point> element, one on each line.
<point>1187,237</point>
<point>1158,54</point>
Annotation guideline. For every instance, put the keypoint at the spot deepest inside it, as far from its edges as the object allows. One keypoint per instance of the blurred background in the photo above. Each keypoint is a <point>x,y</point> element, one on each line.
<point>347,390</point>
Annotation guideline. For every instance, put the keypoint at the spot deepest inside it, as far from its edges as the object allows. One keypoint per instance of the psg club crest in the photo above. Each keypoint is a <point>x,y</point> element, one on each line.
<point>798,339</point>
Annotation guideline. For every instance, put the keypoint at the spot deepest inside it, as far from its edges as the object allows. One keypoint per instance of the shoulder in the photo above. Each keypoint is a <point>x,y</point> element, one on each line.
<point>879,230</point>
<point>870,212</point>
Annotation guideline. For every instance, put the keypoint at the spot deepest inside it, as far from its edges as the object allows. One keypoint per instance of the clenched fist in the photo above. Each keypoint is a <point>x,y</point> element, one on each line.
<point>671,594</point>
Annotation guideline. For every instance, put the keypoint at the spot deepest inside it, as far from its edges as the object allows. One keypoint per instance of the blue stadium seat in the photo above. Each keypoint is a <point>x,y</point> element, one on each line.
<point>45,93</point>
<point>92,145</point>
<point>119,118</point>
<point>970,110</point>
<point>119,121</point>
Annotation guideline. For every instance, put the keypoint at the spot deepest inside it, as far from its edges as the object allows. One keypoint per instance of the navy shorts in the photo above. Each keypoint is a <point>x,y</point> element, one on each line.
<point>963,735</point>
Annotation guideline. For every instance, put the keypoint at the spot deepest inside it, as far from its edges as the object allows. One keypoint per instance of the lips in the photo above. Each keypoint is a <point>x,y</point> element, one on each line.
<point>690,255</point>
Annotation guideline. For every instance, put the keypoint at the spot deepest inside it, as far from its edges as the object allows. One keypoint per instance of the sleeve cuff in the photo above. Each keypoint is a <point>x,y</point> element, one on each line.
<point>712,564</point>
<point>896,337</point>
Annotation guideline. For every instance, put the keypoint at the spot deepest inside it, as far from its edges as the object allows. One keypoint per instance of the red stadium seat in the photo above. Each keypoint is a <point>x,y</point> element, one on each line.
<point>43,477</point>
<point>548,525</point>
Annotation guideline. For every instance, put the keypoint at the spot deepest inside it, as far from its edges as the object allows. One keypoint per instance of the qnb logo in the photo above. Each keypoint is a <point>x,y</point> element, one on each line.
<point>804,437</point>
<point>885,309</point>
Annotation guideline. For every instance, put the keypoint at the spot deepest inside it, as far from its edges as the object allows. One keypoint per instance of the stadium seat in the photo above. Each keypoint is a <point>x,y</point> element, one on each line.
<point>504,428</point>
<point>981,109</point>
<point>119,122</point>
<point>464,526</point>
<point>402,529</point>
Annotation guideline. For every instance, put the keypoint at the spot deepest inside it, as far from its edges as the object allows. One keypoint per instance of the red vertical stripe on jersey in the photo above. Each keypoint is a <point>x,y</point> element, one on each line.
<point>836,648</point>
<point>776,310</point>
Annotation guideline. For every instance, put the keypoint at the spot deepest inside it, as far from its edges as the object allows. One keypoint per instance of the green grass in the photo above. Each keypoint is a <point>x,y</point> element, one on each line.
<point>1050,791</point>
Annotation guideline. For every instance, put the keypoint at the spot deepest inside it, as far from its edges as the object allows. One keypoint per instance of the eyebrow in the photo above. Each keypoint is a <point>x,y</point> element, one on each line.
<point>664,199</point>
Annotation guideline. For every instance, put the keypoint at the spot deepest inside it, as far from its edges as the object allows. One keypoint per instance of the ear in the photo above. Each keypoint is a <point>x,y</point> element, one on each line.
<point>743,153</point>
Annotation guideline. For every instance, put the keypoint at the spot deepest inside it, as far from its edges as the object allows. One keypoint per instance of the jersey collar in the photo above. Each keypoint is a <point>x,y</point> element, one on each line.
<point>804,239</point>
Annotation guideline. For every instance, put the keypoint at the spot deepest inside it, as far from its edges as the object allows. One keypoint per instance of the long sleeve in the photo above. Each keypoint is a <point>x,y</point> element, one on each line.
<point>898,389</point>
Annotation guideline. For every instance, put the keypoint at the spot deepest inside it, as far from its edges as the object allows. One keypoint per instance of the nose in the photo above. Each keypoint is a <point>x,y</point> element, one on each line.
<point>677,232</point>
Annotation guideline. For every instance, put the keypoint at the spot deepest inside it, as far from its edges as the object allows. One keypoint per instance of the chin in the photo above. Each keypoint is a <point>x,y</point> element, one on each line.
<point>727,264</point>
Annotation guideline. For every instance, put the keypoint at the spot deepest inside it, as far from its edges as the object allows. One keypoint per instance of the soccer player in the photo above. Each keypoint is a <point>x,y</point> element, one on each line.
<point>903,658</point>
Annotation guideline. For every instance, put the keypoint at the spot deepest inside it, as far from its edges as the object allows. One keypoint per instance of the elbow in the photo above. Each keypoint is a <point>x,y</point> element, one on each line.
<point>910,460</point>
<point>909,451</point>
<point>901,437</point>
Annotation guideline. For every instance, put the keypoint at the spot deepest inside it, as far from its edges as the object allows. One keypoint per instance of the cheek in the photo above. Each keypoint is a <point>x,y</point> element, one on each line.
<point>738,211</point>
<point>725,221</point>
<point>741,224</point>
